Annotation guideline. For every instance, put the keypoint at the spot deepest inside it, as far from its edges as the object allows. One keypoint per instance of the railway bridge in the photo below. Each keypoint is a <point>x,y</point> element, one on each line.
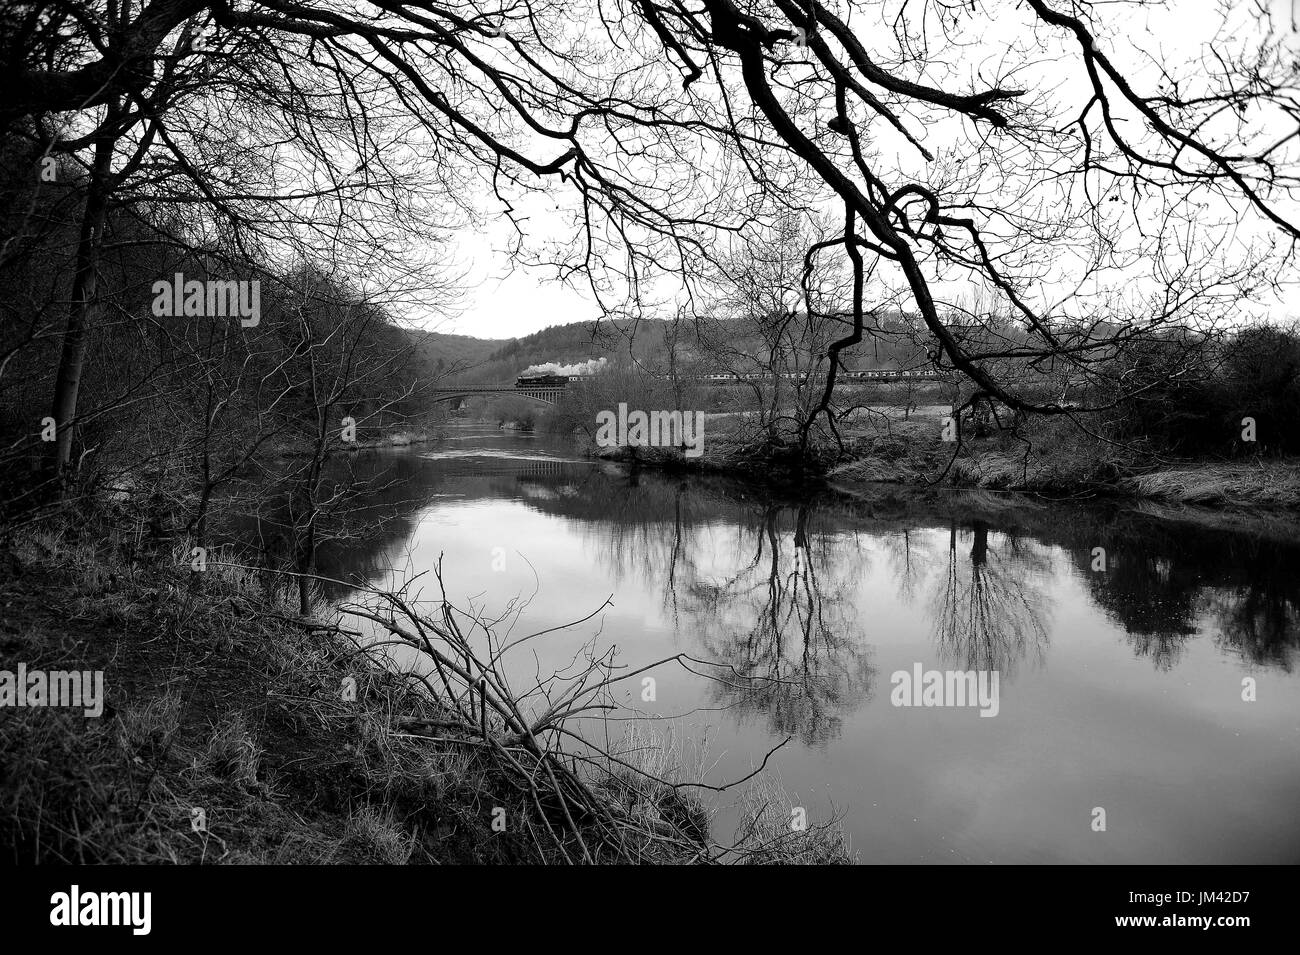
<point>549,394</point>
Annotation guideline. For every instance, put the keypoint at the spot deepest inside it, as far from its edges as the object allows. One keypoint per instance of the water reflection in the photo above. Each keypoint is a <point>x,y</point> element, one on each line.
<point>988,610</point>
<point>1166,583</point>
<point>773,586</point>
<point>783,615</point>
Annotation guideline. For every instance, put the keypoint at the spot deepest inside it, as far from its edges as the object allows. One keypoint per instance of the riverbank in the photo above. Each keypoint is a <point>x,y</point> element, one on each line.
<point>233,731</point>
<point>224,738</point>
<point>1051,458</point>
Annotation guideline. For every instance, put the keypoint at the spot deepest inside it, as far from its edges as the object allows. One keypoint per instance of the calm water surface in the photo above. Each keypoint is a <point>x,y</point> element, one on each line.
<point>1121,689</point>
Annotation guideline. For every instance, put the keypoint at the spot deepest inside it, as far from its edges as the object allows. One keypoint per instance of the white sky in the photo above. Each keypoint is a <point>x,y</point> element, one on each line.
<point>503,300</point>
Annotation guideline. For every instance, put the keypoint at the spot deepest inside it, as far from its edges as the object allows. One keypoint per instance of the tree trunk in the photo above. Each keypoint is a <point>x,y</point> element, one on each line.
<point>85,284</point>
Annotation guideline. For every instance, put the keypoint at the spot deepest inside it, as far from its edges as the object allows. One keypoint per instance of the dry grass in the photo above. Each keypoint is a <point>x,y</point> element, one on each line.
<point>1268,484</point>
<point>378,836</point>
<point>772,833</point>
<point>232,751</point>
<point>220,700</point>
<point>211,705</point>
<point>1055,456</point>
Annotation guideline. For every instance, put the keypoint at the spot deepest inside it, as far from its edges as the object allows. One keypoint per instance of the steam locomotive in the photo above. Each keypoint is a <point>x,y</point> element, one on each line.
<point>545,381</point>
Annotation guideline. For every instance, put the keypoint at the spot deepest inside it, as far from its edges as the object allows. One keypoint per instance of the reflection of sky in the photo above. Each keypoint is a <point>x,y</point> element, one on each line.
<point>1186,771</point>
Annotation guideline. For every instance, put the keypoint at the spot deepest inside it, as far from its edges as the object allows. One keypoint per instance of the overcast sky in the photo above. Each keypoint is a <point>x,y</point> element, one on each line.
<point>507,301</point>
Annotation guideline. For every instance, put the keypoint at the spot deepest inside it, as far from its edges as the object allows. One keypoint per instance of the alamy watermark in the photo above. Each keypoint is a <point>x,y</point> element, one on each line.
<point>83,688</point>
<point>655,429</point>
<point>75,907</point>
<point>946,688</point>
<point>213,298</point>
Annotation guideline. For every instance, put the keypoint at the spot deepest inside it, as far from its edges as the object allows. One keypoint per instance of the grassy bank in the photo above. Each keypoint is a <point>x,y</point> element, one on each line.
<point>1049,456</point>
<point>223,707</point>
<point>1057,458</point>
<point>213,705</point>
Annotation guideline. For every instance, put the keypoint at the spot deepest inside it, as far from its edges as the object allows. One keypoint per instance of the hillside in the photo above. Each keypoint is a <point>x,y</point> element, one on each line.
<point>625,342</point>
<point>441,354</point>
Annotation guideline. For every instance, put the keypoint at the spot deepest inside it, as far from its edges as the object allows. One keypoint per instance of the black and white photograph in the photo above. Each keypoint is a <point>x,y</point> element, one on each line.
<point>649,432</point>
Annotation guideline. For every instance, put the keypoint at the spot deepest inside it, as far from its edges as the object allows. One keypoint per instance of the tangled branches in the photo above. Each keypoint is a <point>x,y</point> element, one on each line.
<point>577,800</point>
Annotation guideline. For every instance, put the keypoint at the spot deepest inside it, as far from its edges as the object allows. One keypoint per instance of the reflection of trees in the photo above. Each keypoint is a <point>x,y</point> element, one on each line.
<point>1154,596</point>
<point>910,559</point>
<point>779,621</point>
<point>760,586</point>
<point>989,615</point>
<point>374,504</point>
<point>658,533</point>
<point>1259,613</point>
<point>1262,625</point>
<point>1162,580</point>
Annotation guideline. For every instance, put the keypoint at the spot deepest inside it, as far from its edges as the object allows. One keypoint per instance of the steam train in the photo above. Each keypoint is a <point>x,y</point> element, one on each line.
<point>545,381</point>
<point>843,375</point>
<point>560,381</point>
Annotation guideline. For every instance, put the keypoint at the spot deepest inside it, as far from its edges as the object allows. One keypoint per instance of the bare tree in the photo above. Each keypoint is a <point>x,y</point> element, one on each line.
<point>673,121</point>
<point>222,138</point>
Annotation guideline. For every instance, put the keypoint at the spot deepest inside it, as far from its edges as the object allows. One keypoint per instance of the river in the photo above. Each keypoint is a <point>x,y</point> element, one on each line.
<point>1124,689</point>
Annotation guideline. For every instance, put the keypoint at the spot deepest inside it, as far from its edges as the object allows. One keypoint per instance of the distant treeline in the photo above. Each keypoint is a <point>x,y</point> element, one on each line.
<point>1236,395</point>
